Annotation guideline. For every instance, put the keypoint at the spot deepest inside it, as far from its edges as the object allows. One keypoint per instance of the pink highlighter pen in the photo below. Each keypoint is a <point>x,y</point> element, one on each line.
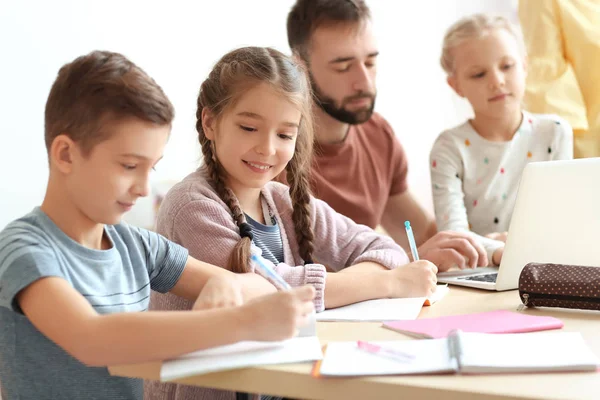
<point>385,351</point>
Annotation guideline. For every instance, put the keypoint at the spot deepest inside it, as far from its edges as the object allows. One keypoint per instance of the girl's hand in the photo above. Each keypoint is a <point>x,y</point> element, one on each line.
<point>417,279</point>
<point>501,236</point>
<point>277,316</point>
<point>220,291</point>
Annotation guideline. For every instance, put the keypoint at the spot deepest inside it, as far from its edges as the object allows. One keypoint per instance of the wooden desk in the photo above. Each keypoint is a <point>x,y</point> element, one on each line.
<point>295,380</point>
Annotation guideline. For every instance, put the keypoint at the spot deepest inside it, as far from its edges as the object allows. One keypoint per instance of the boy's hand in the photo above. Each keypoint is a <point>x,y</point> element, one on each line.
<point>220,292</point>
<point>277,316</point>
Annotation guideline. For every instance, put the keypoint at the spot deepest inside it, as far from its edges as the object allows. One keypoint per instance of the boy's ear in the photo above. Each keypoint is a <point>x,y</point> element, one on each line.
<point>62,152</point>
<point>454,84</point>
<point>208,123</point>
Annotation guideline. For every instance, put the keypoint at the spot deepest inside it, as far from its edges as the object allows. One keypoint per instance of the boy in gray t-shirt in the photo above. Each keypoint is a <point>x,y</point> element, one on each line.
<point>75,281</point>
<point>115,280</point>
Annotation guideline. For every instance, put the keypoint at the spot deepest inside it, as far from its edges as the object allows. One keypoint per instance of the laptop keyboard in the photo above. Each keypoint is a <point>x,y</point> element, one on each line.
<point>482,278</point>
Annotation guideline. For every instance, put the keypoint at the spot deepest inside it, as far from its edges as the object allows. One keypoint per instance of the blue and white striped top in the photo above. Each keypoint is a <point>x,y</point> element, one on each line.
<point>268,239</point>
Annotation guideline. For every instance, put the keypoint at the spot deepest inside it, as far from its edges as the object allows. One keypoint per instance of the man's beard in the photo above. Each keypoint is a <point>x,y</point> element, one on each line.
<point>328,105</point>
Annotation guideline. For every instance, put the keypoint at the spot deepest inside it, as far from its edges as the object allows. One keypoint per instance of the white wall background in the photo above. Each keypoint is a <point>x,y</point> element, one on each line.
<point>177,42</point>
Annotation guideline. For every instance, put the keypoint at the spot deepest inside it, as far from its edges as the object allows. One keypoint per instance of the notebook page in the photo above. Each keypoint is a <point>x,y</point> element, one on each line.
<point>242,355</point>
<point>439,294</point>
<point>346,359</point>
<point>375,310</point>
<point>522,352</point>
<point>310,329</point>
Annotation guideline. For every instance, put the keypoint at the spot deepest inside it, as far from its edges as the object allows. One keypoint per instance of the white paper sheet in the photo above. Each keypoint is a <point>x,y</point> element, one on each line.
<point>242,355</point>
<point>375,310</point>
<point>346,359</point>
<point>310,329</point>
<point>439,293</point>
<point>526,352</point>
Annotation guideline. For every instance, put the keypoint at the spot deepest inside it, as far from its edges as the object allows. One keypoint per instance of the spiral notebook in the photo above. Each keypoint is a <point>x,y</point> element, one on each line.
<point>463,353</point>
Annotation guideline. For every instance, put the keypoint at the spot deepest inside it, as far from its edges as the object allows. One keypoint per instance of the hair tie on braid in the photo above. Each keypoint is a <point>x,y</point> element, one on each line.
<point>246,230</point>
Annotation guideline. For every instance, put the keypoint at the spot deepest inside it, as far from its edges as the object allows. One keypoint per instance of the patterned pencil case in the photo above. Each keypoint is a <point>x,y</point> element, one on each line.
<point>560,285</point>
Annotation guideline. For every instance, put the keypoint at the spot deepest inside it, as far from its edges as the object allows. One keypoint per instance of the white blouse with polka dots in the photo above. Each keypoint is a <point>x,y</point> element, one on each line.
<point>475,181</point>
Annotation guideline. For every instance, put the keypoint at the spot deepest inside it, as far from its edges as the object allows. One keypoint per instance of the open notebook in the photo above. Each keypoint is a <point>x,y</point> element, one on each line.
<point>463,352</point>
<point>383,309</point>
<point>304,347</point>
<point>242,355</point>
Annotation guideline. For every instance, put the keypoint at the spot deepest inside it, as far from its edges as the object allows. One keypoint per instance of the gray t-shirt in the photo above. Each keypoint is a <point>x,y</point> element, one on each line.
<point>114,280</point>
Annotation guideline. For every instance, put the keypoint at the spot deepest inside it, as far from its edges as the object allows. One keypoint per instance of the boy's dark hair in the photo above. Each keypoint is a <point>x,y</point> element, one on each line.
<point>99,88</point>
<point>307,15</point>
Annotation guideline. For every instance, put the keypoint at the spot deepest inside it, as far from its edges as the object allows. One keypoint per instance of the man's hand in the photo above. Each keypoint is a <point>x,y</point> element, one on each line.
<point>497,256</point>
<point>501,236</point>
<point>446,249</point>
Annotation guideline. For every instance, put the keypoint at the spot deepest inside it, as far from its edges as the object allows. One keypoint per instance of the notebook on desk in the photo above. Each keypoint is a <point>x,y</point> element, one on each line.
<point>383,309</point>
<point>464,353</point>
<point>242,355</point>
<point>500,321</point>
<point>556,219</point>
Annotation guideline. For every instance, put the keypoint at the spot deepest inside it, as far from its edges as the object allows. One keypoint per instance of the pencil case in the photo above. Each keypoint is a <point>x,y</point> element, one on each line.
<point>560,285</point>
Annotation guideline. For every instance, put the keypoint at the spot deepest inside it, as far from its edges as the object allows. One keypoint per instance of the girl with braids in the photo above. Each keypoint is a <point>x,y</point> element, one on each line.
<point>253,122</point>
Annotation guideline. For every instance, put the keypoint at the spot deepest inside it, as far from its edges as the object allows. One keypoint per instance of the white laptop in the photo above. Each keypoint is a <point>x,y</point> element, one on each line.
<point>556,219</point>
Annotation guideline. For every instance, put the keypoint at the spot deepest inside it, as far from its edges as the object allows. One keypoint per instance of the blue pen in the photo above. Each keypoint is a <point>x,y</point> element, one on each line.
<point>267,272</point>
<point>411,241</point>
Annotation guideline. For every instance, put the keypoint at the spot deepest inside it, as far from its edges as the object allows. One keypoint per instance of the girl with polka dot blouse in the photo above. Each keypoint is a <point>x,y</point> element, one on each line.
<point>476,166</point>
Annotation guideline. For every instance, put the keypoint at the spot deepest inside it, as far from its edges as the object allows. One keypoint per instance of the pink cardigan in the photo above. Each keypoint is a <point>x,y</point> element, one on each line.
<point>193,215</point>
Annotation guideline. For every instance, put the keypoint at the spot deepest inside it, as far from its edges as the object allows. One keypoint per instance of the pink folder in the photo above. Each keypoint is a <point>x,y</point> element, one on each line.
<point>500,321</point>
